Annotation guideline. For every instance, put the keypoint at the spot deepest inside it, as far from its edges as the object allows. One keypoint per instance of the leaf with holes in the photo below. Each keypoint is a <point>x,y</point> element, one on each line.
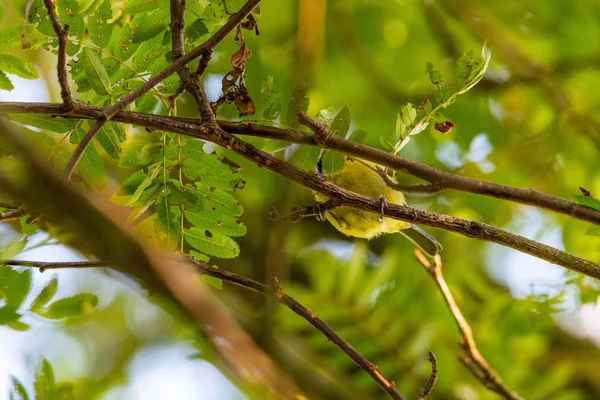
<point>211,243</point>
<point>221,224</point>
<point>98,26</point>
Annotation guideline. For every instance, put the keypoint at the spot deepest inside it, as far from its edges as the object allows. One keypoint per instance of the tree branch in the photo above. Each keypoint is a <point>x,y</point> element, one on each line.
<point>61,69</point>
<point>345,197</point>
<point>44,265</point>
<point>11,214</point>
<point>439,179</point>
<point>426,390</point>
<point>485,374</point>
<point>190,82</point>
<point>109,113</point>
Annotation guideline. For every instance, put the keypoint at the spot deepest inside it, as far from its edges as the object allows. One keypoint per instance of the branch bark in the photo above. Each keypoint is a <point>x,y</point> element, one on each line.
<point>440,180</point>
<point>341,196</point>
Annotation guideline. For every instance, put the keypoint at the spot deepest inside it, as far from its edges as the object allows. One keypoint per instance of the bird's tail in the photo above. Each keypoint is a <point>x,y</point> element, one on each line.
<point>423,240</point>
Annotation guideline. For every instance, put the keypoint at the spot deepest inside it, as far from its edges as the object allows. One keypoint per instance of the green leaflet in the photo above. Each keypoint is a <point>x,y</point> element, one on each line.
<point>17,390</point>
<point>53,124</point>
<point>185,195</point>
<point>211,243</point>
<point>219,200</point>
<point>45,295</point>
<point>588,201</point>
<point>95,72</point>
<point>341,122</point>
<point>272,101</point>
<point>298,102</point>
<point>69,14</point>
<point>14,286</point>
<point>143,6</point>
<point>216,222</point>
<point>98,26</point>
<point>90,167</point>
<point>358,136</point>
<point>143,155</point>
<point>5,83</point>
<point>9,36</point>
<point>147,26</point>
<point>44,384</point>
<point>18,67</point>
<point>73,306</point>
<point>111,137</point>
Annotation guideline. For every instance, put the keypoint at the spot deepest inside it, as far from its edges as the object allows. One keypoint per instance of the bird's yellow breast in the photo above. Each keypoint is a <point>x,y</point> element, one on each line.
<point>360,177</point>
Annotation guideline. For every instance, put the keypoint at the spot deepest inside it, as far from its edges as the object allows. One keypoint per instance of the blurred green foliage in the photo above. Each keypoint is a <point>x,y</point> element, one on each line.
<point>531,122</point>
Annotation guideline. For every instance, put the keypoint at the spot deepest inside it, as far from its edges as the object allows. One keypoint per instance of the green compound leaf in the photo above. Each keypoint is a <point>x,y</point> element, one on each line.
<point>211,243</point>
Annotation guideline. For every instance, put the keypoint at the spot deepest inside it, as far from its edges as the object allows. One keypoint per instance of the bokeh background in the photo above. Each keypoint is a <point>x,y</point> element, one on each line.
<point>533,121</point>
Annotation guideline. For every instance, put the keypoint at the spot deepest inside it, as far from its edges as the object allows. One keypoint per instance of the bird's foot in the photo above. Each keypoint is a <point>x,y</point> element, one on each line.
<point>384,203</point>
<point>319,215</point>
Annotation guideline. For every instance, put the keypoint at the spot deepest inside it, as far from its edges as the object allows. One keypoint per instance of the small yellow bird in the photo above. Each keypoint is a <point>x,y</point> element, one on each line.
<point>360,177</point>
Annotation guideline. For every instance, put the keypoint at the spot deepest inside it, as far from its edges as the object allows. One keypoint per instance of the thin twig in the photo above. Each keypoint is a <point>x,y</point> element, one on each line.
<point>443,180</point>
<point>11,214</point>
<point>45,265</point>
<point>61,69</point>
<point>275,292</point>
<point>345,197</point>
<point>488,376</point>
<point>426,390</point>
<point>109,113</point>
<point>427,188</point>
<point>25,22</point>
